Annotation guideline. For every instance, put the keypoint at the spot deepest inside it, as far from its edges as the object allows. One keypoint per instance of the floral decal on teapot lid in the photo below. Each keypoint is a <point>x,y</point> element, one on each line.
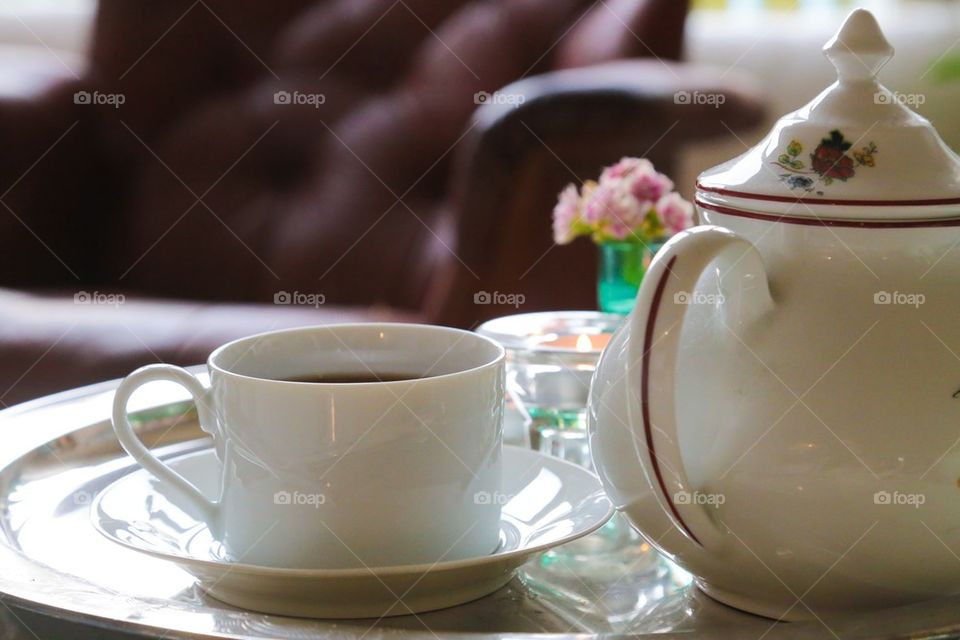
<point>830,161</point>
<point>855,150</point>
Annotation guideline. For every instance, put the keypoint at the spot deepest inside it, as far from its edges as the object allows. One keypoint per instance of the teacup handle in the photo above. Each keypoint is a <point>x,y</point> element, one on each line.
<point>132,444</point>
<point>655,328</point>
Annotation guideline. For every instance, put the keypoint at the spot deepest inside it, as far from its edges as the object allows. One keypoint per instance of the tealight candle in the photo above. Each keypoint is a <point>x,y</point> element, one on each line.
<point>583,342</point>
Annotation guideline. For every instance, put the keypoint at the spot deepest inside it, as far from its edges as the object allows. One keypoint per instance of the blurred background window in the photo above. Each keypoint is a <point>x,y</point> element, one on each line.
<point>61,25</point>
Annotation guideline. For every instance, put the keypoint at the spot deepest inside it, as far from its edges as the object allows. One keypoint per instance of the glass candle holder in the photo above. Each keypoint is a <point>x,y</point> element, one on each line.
<point>551,357</point>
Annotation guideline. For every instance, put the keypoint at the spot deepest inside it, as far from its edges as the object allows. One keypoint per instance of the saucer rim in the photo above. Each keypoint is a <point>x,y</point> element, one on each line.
<point>450,565</point>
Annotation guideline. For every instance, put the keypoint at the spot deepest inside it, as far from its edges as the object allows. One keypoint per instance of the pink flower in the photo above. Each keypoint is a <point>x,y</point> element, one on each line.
<point>639,178</point>
<point>650,186</point>
<point>626,166</point>
<point>611,210</point>
<point>675,212</point>
<point>597,204</point>
<point>618,230</point>
<point>631,201</point>
<point>565,215</point>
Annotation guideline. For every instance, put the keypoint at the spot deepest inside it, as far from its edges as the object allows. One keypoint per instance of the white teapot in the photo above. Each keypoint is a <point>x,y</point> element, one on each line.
<point>780,414</point>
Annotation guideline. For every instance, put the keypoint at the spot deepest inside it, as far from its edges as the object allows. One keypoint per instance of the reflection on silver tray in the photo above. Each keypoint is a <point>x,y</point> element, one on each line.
<point>61,579</point>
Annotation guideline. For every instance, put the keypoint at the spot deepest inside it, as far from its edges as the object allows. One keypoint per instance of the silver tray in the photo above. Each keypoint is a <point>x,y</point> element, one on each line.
<point>61,579</point>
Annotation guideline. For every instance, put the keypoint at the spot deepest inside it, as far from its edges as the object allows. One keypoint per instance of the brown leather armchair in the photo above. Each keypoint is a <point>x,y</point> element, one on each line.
<point>219,154</point>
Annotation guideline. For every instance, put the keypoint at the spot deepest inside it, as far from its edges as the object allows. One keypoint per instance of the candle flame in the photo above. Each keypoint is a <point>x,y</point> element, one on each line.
<point>583,343</point>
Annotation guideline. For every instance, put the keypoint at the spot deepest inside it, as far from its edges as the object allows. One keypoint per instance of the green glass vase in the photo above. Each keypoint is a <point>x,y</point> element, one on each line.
<point>620,271</point>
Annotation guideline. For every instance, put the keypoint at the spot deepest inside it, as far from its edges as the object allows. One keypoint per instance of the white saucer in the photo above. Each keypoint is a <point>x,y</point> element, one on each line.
<point>551,502</point>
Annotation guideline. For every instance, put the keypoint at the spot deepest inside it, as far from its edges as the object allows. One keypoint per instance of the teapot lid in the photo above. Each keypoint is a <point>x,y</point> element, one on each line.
<point>855,145</point>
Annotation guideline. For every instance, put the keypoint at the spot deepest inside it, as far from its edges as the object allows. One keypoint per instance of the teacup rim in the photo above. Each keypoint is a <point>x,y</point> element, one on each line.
<point>498,359</point>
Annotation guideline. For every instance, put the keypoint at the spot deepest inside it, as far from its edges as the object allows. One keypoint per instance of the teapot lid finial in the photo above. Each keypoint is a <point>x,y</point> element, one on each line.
<point>859,49</point>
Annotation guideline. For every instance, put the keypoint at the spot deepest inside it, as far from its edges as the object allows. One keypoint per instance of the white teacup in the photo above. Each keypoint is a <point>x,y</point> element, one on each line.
<point>345,474</point>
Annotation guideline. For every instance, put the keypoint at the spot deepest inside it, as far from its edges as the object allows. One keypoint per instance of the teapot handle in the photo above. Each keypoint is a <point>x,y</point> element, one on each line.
<point>662,303</point>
